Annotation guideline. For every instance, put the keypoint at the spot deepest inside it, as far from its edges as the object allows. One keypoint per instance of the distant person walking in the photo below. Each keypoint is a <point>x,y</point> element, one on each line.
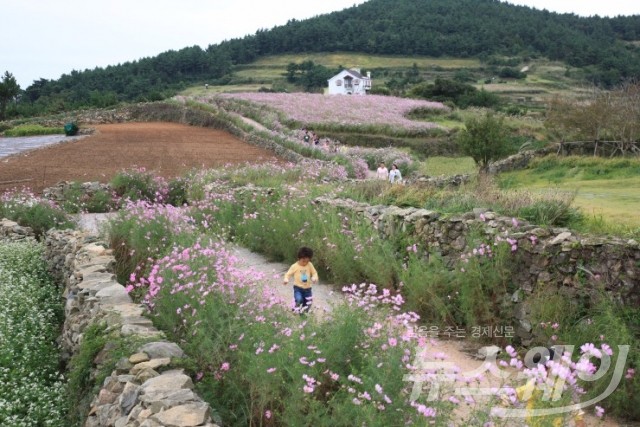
<point>395,177</point>
<point>382,172</point>
<point>304,274</point>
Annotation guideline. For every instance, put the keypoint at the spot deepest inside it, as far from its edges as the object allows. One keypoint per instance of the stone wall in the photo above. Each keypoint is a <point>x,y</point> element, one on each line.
<point>10,231</point>
<point>544,256</point>
<point>59,192</point>
<point>439,181</point>
<point>520,160</point>
<point>576,148</point>
<point>144,390</point>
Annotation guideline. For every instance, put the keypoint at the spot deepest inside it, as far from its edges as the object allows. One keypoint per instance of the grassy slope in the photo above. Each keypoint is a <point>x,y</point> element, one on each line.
<point>607,190</point>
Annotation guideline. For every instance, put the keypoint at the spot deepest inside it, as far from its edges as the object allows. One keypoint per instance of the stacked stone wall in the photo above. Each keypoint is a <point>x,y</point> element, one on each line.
<point>575,265</point>
<point>144,390</point>
<point>11,231</point>
<point>522,159</point>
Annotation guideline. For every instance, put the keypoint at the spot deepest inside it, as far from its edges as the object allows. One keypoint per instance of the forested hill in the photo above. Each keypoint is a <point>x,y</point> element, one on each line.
<point>456,28</point>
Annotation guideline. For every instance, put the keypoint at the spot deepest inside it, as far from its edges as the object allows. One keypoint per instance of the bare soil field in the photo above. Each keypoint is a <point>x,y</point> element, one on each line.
<point>168,149</point>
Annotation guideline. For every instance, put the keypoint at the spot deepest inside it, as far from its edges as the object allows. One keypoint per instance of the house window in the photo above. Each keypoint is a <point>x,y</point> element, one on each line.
<point>356,82</point>
<point>338,82</point>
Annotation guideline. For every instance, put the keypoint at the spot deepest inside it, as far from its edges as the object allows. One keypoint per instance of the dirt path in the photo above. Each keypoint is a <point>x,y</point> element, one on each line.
<point>325,299</point>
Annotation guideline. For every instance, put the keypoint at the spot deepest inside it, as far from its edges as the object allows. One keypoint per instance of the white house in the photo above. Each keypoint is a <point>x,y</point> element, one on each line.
<point>349,82</point>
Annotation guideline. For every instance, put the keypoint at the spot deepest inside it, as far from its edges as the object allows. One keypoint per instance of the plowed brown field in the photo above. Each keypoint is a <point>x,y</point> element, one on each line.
<point>168,149</point>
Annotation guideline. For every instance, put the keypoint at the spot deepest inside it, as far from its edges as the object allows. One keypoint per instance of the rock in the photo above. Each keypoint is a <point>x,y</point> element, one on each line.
<point>140,330</point>
<point>124,365</point>
<point>151,364</point>
<point>145,375</point>
<point>94,250</point>
<point>540,232</point>
<point>189,415</point>
<point>489,216</point>
<point>149,422</point>
<point>178,396</point>
<point>97,283</point>
<point>170,380</point>
<point>157,350</point>
<point>114,294</point>
<point>129,397</point>
<point>106,397</point>
<point>138,358</point>
<point>544,276</point>
<point>115,387</point>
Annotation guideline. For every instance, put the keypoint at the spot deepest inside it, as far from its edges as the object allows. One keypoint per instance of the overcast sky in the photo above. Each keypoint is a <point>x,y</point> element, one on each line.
<point>47,38</point>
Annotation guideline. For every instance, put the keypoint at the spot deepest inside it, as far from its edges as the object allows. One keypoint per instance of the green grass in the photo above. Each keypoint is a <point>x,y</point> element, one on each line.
<point>33,130</point>
<point>607,190</point>
<point>436,166</point>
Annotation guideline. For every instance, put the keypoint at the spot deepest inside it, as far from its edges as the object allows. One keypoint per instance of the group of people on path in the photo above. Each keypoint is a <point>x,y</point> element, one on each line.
<point>393,176</point>
<point>312,139</point>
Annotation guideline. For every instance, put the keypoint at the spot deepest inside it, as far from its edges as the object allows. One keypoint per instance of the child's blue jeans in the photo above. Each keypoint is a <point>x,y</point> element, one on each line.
<point>302,297</point>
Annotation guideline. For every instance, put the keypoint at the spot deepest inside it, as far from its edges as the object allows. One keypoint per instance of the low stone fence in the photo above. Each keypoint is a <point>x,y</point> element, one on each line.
<point>544,256</point>
<point>439,181</point>
<point>143,390</point>
<point>10,231</point>
<point>520,160</point>
<point>59,193</point>
<point>575,148</point>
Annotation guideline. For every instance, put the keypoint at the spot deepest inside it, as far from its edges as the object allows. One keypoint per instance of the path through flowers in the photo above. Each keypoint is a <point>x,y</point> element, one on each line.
<point>453,353</point>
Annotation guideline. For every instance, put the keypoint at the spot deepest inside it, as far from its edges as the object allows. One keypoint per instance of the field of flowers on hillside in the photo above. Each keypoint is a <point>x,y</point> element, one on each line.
<point>312,108</point>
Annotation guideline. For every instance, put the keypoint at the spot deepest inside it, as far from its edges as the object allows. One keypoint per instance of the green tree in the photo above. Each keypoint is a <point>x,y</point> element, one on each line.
<point>9,91</point>
<point>485,140</point>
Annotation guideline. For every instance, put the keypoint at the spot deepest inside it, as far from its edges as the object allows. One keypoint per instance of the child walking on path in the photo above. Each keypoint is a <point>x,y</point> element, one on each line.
<point>304,274</point>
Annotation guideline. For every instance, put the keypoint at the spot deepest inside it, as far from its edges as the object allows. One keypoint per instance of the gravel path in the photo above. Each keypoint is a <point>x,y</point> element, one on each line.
<point>15,145</point>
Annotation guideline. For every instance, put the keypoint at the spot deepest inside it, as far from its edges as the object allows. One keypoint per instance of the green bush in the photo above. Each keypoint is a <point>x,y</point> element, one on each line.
<point>559,213</point>
<point>33,130</point>
<point>177,192</point>
<point>31,211</point>
<point>138,184</point>
<point>77,200</point>
<point>485,140</point>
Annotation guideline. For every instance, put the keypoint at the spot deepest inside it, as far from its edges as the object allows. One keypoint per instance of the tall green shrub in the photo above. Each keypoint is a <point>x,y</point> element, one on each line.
<point>485,140</point>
